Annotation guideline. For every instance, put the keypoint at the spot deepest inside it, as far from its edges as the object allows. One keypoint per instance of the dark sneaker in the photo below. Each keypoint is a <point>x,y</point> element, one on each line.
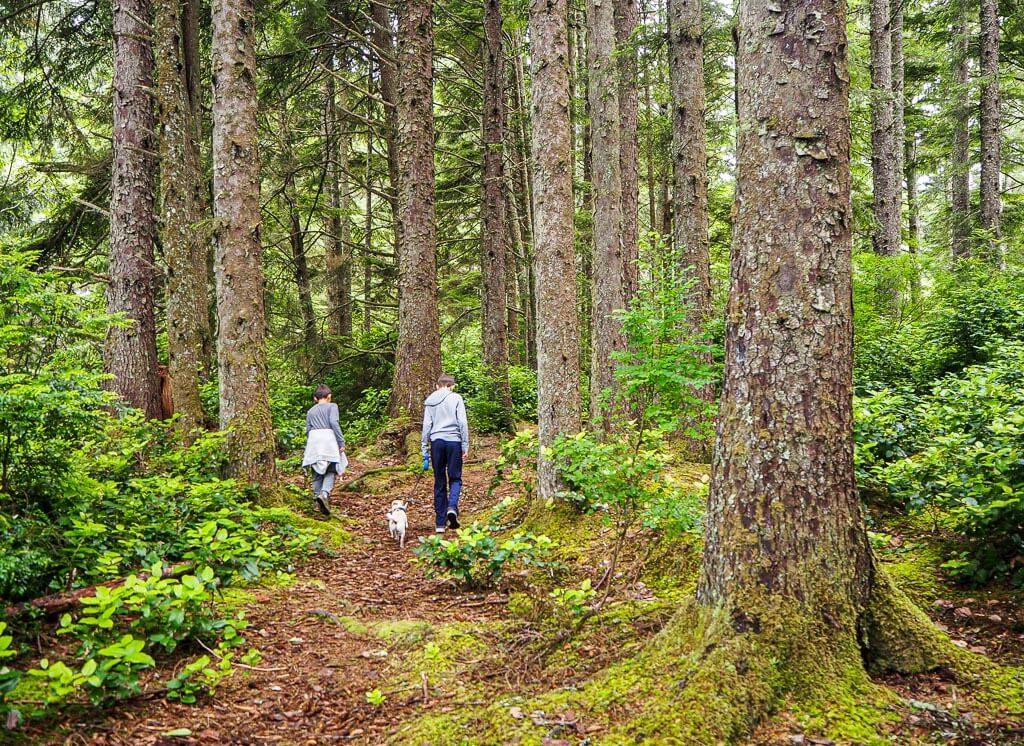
<point>453,519</point>
<point>323,501</point>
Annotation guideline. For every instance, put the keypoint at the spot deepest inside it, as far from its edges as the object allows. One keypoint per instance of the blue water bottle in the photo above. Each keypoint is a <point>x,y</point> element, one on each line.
<point>426,461</point>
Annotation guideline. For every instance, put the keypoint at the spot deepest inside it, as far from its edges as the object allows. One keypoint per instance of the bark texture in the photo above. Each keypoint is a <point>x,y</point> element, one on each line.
<point>899,125</point>
<point>130,351</point>
<point>238,264</point>
<point>991,203</point>
<point>300,268</point>
<point>689,153</point>
<point>492,235</point>
<point>185,230</point>
<point>884,158</point>
<point>608,266</point>
<point>784,520</point>
<point>558,396</point>
<point>384,51</point>
<point>960,164</point>
<point>418,357</point>
<point>627,14</point>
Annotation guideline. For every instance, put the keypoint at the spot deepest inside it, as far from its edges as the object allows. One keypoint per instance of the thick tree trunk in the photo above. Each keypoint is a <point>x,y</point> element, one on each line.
<point>960,163</point>
<point>338,239</point>
<point>991,204</point>
<point>606,336</point>
<point>791,600</point>
<point>184,237</point>
<point>418,357</point>
<point>384,52</point>
<point>558,379</point>
<point>130,351</point>
<point>627,14</point>
<point>241,340</point>
<point>492,259</point>
<point>689,154</point>
<point>884,157</point>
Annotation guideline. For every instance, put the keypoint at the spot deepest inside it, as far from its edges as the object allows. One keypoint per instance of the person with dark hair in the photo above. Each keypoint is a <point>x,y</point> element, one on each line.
<point>445,437</point>
<point>325,447</point>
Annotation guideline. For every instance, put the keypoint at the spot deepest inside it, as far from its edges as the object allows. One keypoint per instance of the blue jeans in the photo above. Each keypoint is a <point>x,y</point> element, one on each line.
<point>446,457</point>
<point>323,482</point>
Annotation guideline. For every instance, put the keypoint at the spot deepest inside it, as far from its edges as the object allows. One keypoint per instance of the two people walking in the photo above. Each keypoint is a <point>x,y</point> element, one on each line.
<point>444,442</point>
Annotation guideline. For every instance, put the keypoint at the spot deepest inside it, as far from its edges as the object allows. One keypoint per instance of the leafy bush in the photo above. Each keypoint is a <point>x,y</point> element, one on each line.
<point>886,429</point>
<point>970,465</point>
<point>477,558</point>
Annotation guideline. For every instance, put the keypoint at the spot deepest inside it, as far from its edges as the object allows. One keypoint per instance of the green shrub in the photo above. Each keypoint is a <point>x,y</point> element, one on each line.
<point>487,413</point>
<point>971,464</point>
<point>886,429</point>
<point>477,558</point>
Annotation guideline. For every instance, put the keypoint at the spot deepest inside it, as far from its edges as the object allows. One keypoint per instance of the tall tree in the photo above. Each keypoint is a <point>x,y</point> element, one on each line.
<point>787,572</point>
<point>689,153</point>
<point>418,357</point>
<point>383,51</point>
<point>184,236</point>
<point>899,108</point>
<point>991,163</point>
<point>606,337</point>
<point>337,239</point>
<point>493,233</point>
<point>959,162</point>
<point>130,351</point>
<point>238,265</point>
<point>884,157</point>
<point>627,15</point>
<point>558,371</point>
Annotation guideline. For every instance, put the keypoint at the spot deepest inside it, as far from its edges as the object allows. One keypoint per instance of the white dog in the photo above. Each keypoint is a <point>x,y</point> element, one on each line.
<point>398,521</point>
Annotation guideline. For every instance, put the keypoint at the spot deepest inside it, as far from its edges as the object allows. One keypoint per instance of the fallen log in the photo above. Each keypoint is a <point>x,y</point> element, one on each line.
<point>58,603</point>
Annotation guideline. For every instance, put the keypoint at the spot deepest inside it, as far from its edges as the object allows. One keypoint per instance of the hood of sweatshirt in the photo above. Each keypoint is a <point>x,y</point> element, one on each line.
<point>437,397</point>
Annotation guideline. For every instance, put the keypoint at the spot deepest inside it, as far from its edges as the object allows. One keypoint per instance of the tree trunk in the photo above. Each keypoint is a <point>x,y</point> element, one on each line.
<point>652,203</point>
<point>384,52</point>
<point>960,163</point>
<point>130,351</point>
<point>606,335</point>
<point>790,599</point>
<point>899,125</point>
<point>558,379</point>
<point>418,357</point>
<point>300,268</point>
<point>884,159</point>
<point>627,14</point>
<point>991,205</point>
<point>241,341</point>
<point>522,265</point>
<point>184,237</point>
<point>689,154</point>
<point>337,240</point>
<point>368,241</point>
<point>492,264</point>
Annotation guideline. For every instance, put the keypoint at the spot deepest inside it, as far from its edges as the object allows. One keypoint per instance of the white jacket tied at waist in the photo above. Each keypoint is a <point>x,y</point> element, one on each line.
<point>321,445</point>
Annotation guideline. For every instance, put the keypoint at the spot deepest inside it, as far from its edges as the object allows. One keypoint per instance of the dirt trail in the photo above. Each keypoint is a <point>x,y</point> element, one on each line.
<point>321,654</point>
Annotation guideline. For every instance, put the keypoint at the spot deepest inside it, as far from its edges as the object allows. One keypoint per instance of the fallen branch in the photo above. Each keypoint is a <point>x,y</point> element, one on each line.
<point>58,603</point>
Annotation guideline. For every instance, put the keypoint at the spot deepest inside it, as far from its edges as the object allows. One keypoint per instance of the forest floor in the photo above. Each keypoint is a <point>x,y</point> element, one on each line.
<point>362,648</point>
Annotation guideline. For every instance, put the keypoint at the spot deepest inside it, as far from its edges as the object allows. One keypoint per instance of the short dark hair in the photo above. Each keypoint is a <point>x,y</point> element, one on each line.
<point>445,380</point>
<point>322,392</point>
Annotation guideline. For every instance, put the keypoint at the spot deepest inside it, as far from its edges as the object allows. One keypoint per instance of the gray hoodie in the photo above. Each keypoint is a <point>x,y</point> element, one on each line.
<point>444,418</point>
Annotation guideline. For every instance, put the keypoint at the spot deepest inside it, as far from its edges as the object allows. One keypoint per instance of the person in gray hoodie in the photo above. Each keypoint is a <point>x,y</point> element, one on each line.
<point>445,438</point>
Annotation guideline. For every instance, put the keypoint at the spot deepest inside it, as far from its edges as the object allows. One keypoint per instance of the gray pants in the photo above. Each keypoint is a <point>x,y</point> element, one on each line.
<point>323,482</point>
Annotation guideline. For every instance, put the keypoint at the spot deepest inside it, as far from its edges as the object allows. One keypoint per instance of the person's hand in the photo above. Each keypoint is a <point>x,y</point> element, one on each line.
<point>465,455</point>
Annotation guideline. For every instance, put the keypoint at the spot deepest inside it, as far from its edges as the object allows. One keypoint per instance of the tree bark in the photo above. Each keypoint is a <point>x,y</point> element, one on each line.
<point>899,126</point>
<point>130,351</point>
<point>418,357</point>
<point>627,15</point>
<point>884,158</point>
<point>338,239</point>
<point>913,203</point>
<point>606,337</point>
<point>558,393</point>
<point>493,263</point>
<point>960,164</point>
<point>241,341</point>
<point>991,204</point>
<point>689,154</point>
<point>184,232</point>
<point>300,269</point>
